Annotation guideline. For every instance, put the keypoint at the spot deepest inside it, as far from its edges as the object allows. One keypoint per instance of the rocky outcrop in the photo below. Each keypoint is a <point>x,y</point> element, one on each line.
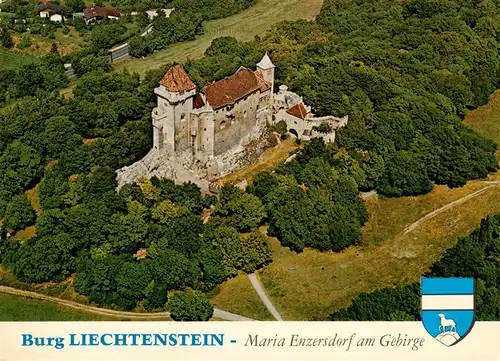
<point>161,165</point>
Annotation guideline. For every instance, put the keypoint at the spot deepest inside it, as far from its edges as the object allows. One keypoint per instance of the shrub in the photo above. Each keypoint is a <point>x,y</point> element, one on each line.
<point>190,306</point>
<point>25,42</point>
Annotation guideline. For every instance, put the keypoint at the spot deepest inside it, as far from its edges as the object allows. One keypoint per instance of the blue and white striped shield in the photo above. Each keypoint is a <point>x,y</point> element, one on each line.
<point>448,308</point>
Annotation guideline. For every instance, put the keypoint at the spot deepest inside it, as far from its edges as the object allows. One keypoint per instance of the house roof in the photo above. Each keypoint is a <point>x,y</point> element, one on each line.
<point>176,80</point>
<point>100,12</point>
<point>233,88</point>
<point>47,6</point>
<point>298,111</point>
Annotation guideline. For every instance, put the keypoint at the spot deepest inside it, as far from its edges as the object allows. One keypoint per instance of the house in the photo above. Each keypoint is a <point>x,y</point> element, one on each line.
<point>98,13</point>
<point>49,10</point>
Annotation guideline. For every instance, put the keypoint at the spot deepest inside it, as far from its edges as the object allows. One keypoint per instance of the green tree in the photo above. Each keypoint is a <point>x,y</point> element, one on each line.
<point>245,212</point>
<point>74,6</point>
<point>190,306</point>
<point>127,232</point>
<point>19,213</point>
<point>155,296</point>
<point>43,259</point>
<point>6,38</point>
<point>255,251</point>
<point>60,136</point>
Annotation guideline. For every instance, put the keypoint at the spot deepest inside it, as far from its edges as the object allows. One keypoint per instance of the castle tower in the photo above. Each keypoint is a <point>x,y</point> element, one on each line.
<point>267,67</point>
<point>171,117</point>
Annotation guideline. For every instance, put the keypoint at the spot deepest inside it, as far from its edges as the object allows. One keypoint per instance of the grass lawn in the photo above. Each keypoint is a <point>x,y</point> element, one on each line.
<point>309,285</point>
<point>66,43</point>
<point>17,308</point>
<point>70,42</point>
<point>34,198</point>
<point>238,296</point>
<point>244,26</point>
<point>12,59</point>
<point>486,119</point>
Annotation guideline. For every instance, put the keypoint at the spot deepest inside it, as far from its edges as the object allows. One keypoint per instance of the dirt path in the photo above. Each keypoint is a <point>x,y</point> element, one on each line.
<point>262,294</point>
<point>451,205</point>
<point>112,313</point>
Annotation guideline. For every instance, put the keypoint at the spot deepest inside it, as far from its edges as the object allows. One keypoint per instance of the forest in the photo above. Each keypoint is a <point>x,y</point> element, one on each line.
<point>405,73</point>
<point>476,255</point>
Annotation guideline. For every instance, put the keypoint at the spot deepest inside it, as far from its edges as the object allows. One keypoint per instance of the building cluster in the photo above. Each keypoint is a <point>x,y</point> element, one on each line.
<point>47,9</point>
<point>202,134</point>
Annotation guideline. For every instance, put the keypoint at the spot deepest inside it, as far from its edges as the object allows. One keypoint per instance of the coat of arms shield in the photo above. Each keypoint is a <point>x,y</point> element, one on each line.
<point>448,308</point>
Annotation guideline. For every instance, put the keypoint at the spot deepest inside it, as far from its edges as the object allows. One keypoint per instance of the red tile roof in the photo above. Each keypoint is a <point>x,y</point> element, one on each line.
<point>298,111</point>
<point>231,89</point>
<point>177,80</point>
<point>264,85</point>
<point>100,12</point>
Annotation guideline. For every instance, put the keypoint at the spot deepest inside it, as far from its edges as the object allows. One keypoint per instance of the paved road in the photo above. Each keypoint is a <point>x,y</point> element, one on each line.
<point>262,294</point>
<point>451,205</point>
<point>106,312</point>
<point>230,316</point>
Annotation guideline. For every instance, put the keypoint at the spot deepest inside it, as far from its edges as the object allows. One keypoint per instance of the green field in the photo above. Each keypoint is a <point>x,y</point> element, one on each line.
<point>17,308</point>
<point>244,26</point>
<point>12,59</point>
<point>486,119</point>
<point>237,295</point>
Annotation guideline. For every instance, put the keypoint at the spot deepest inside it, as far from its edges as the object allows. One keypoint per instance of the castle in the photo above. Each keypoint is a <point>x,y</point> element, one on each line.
<point>199,135</point>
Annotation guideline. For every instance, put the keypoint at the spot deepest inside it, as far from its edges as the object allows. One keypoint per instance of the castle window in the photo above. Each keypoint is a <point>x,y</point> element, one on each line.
<point>223,125</point>
<point>245,114</point>
<point>183,117</point>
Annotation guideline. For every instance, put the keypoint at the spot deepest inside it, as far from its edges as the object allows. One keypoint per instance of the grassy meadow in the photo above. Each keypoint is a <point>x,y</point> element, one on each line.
<point>238,296</point>
<point>12,59</point>
<point>18,308</point>
<point>244,26</point>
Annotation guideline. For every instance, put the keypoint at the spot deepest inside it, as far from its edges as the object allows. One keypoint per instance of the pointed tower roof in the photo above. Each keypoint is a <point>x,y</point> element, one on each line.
<point>265,63</point>
<point>176,80</point>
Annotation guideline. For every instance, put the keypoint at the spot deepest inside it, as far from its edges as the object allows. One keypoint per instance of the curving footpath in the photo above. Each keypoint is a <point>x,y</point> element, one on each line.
<point>218,313</point>
<point>112,313</point>
<point>464,199</point>
<point>263,296</point>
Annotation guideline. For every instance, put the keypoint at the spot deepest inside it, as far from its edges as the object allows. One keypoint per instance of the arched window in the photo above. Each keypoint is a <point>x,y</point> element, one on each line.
<point>223,125</point>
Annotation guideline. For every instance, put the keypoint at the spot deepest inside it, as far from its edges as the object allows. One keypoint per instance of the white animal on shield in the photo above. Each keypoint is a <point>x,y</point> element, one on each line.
<point>446,323</point>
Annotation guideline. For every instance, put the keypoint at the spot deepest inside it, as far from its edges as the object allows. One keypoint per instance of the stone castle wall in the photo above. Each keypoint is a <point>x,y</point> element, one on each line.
<point>201,145</point>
